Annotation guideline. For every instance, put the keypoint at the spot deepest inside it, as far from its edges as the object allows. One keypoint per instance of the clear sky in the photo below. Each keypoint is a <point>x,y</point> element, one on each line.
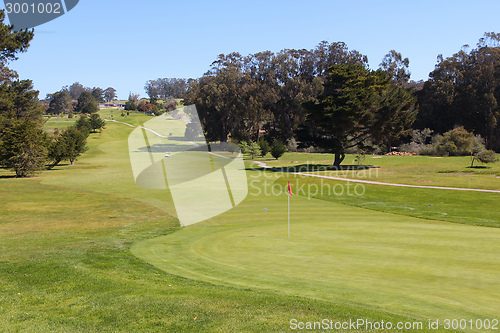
<point>125,43</point>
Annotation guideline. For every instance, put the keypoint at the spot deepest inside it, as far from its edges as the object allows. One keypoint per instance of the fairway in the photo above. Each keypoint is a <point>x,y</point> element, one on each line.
<point>121,251</point>
<point>406,266</point>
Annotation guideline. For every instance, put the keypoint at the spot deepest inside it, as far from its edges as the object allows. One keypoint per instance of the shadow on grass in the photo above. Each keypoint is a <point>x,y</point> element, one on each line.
<point>327,167</point>
<point>479,167</point>
<point>317,167</point>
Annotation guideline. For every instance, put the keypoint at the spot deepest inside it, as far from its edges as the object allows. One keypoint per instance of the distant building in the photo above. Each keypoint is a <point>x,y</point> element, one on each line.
<point>111,105</point>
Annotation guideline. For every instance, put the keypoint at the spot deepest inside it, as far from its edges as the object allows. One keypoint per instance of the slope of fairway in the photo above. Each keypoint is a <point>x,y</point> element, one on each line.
<point>402,265</point>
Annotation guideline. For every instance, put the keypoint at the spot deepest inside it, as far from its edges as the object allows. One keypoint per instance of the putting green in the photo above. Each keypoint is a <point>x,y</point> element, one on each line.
<point>413,267</point>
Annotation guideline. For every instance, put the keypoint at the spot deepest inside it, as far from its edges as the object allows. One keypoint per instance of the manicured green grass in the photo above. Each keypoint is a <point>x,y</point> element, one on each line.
<point>474,208</point>
<point>414,170</point>
<point>52,123</point>
<point>402,265</point>
<point>66,263</point>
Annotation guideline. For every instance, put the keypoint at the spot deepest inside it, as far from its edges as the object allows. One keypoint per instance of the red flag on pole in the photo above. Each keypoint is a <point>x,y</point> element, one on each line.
<point>290,189</point>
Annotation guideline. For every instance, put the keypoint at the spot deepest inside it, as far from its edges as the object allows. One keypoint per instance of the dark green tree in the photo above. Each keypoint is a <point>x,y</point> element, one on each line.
<point>96,123</point>
<point>86,103</point>
<point>464,90</point>
<point>264,147</point>
<point>130,105</point>
<point>60,102</point>
<point>12,42</point>
<point>68,145</point>
<point>278,148</point>
<point>23,147</point>
<point>357,105</point>
<point>98,94</point>
<point>83,124</point>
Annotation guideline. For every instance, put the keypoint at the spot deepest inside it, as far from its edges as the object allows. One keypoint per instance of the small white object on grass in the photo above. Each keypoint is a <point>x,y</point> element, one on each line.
<point>265,208</point>
<point>167,155</point>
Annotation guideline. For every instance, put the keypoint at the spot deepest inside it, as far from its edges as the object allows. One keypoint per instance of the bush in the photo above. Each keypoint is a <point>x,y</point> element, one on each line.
<point>278,148</point>
<point>130,105</point>
<point>456,142</point>
<point>264,147</point>
<point>245,149</point>
<point>171,104</point>
<point>254,149</point>
<point>143,107</point>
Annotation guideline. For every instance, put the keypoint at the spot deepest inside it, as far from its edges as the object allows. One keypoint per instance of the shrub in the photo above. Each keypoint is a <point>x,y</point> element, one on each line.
<point>456,142</point>
<point>254,149</point>
<point>278,148</point>
<point>143,107</point>
<point>245,149</point>
<point>130,105</point>
<point>264,147</point>
<point>171,104</point>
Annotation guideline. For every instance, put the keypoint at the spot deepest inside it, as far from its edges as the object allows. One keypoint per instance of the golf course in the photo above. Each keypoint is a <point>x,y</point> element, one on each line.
<point>84,249</point>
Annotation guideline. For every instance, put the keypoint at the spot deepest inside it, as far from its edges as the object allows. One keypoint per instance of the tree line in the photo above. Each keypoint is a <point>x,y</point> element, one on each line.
<point>329,98</point>
<point>464,90</point>
<point>287,95</point>
<point>77,99</point>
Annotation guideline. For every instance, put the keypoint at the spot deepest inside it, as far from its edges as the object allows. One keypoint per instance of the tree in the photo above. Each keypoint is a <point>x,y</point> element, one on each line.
<point>397,67</point>
<point>86,103</point>
<point>22,139</point>
<point>12,42</point>
<point>254,149</point>
<point>68,145</point>
<point>264,147</point>
<point>109,94</point>
<point>96,123</point>
<point>278,148</point>
<point>130,105</point>
<point>357,105</point>
<point>192,131</point>
<point>60,102</point>
<point>23,147</point>
<point>83,124</point>
<point>164,88</point>
<point>98,94</point>
<point>464,90</point>
<point>486,156</point>
<point>75,90</point>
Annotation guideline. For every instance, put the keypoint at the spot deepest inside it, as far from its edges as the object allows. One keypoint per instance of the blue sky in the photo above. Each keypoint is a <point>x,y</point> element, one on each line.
<point>123,44</point>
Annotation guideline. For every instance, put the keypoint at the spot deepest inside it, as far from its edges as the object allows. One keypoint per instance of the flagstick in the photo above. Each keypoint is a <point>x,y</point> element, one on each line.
<point>288,215</point>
